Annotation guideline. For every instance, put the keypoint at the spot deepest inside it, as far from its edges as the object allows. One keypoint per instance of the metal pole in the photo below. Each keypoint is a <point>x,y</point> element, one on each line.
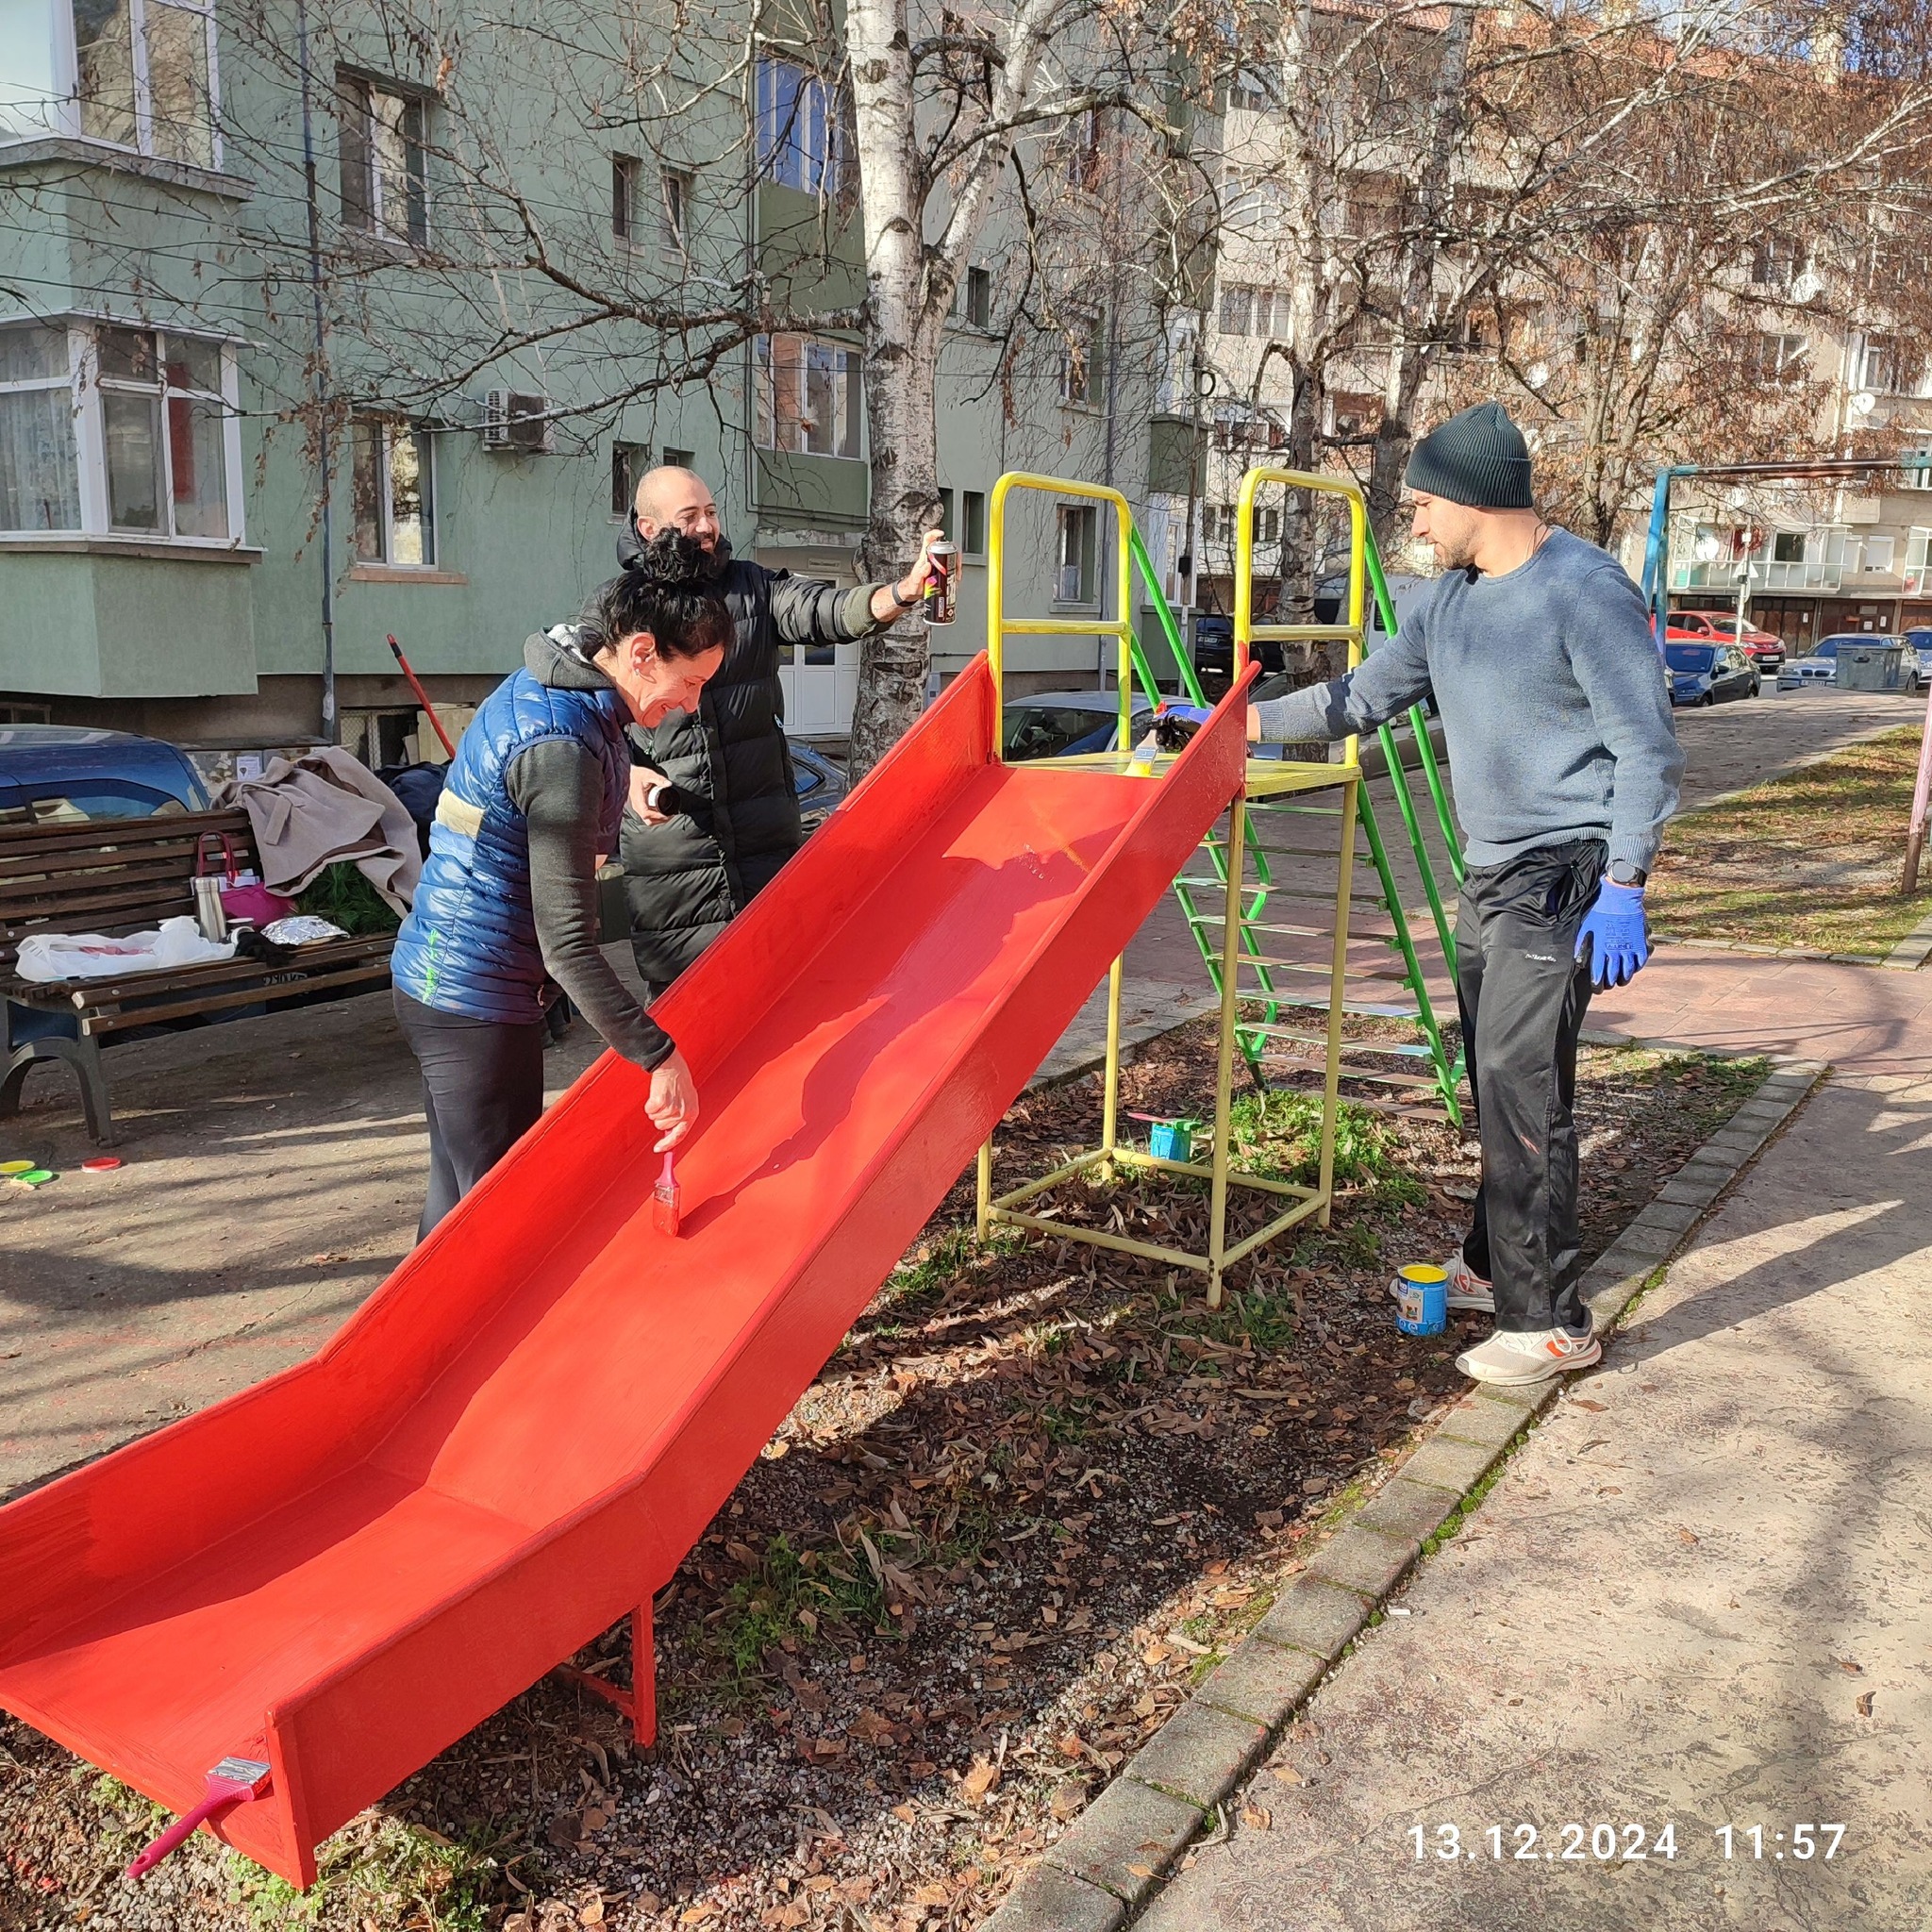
<point>1915,835</point>
<point>1109,1111</point>
<point>1337,983</point>
<point>1223,1070</point>
<point>331,720</point>
<point>985,1187</point>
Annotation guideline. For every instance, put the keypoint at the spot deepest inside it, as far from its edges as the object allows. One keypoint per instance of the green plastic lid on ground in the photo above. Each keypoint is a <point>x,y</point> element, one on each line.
<point>33,1178</point>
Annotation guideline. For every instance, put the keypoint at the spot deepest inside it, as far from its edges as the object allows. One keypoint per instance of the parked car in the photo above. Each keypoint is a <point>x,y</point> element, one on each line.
<point>1057,724</point>
<point>1214,654</point>
<point>1764,648</point>
<point>1821,667</point>
<point>1918,642</point>
<point>68,774</point>
<point>819,783</point>
<point>1709,674</point>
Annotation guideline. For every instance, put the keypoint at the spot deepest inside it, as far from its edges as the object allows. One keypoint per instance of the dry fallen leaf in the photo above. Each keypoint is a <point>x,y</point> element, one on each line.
<point>1255,1819</point>
<point>1289,1774</point>
<point>1865,1703</point>
<point>1148,1871</point>
<point>593,1914</point>
<point>1584,1402</point>
<point>1068,1797</point>
<point>977,1782</point>
<point>1683,1536</point>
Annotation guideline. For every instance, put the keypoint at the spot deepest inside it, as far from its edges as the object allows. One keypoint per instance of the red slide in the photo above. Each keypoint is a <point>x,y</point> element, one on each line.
<point>280,1607</point>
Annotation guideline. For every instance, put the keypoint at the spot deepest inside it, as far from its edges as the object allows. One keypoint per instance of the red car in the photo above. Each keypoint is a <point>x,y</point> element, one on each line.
<point>1764,648</point>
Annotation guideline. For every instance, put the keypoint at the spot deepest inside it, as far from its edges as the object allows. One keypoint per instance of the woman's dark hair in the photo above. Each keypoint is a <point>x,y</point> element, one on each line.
<point>667,589</point>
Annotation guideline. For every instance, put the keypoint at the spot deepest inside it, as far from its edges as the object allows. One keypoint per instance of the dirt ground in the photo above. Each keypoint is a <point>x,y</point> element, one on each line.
<point>1038,1487</point>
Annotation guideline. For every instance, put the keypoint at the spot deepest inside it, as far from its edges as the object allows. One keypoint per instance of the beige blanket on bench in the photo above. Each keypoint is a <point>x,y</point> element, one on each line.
<point>321,807</point>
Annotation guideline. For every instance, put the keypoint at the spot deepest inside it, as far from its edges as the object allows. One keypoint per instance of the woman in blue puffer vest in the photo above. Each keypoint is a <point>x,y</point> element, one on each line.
<point>507,909</point>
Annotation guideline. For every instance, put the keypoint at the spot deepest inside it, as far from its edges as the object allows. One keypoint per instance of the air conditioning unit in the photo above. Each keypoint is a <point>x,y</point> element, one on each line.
<point>517,421</point>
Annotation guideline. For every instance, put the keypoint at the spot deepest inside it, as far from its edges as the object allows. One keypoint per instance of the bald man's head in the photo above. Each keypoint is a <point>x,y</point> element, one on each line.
<point>670,498</point>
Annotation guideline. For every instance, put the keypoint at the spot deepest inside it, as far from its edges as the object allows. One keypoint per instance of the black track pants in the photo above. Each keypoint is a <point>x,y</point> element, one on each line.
<point>1522,996</point>
<point>482,1088</point>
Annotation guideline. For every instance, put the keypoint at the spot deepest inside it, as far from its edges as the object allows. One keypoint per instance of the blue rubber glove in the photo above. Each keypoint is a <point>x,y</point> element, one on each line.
<point>1191,714</point>
<point>1614,930</point>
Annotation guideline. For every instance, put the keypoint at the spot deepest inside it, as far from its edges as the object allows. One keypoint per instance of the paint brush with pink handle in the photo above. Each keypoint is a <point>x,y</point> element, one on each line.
<point>233,1781</point>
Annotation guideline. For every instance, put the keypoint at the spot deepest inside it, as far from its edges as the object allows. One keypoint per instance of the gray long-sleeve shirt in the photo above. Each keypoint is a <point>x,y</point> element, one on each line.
<point>1553,704</point>
<point>559,786</point>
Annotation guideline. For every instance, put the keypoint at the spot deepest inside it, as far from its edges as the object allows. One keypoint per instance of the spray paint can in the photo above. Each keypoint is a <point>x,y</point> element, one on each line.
<point>942,591</point>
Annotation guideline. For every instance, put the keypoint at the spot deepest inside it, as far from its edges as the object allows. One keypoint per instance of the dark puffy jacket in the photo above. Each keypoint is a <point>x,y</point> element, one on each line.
<point>738,808</point>
<point>468,945</point>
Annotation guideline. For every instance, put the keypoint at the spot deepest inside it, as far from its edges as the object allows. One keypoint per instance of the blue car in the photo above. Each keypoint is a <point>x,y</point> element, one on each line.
<point>67,774</point>
<point>1709,674</point>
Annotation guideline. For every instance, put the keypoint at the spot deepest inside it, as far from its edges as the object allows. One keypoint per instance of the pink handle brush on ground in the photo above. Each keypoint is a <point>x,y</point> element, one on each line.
<point>666,1200</point>
<point>233,1781</point>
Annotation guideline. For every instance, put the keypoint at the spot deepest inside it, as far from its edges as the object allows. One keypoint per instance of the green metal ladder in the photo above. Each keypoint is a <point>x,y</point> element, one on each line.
<point>1277,997</point>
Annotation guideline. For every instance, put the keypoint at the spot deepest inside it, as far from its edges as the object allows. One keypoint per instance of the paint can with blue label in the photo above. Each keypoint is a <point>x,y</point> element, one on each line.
<point>1421,1299</point>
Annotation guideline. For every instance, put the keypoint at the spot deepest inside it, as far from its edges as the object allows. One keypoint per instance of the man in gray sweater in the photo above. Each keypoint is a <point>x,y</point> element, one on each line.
<point>1537,648</point>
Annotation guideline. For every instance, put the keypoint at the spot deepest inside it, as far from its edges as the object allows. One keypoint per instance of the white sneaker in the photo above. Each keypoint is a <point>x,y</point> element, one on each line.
<point>1467,1289</point>
<point>1536,1356</point>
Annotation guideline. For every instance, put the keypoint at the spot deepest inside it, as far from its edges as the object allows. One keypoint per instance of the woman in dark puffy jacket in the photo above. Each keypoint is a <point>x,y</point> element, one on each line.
<point>507,909</point>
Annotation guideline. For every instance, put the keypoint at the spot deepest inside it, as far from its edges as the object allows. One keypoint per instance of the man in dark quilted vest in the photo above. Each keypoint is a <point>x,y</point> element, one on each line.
<point>714,811</point>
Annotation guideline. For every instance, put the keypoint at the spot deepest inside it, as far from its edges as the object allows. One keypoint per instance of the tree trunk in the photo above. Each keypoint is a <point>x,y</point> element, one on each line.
<point>1409,360</point>
<point>901,364</point>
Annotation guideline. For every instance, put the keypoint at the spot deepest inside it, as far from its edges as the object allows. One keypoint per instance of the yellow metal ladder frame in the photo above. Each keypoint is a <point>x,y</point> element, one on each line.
<point>1265,777</point>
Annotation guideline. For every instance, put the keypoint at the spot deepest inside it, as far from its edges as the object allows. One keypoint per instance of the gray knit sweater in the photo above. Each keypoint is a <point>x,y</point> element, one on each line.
<point>1553,704</point>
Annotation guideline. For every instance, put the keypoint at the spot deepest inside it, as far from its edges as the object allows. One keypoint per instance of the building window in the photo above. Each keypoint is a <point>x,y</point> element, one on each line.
<point>1080,357</point>
<point>1788,546</point>
<point>623,197</point>
<point>393,492</point>
<point>628,462</point>
<point>808,395</point>
<point>384,186</point>
<point>1918,469</point>
<point>1074,574</point>
<point>145,76</point>
<point>1355,413</point>
<point>1777,261</point>
<point>1083,151</point>
<point>1250,311</point>
<point>1878,553</point>
<point>142,444</point>
<point>162,430</point>
<point>946,528</point>
<point>801,135</point>
<point>40,470</point>
<point>1779,360</point>
<point>677,458</point>
<point>674,192</point>
<point>1889,365</point>
<point>979,297</point>
<point>972,522</point>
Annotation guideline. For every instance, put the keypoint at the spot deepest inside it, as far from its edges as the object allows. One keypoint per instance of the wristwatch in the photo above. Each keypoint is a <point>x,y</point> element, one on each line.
<point>1623,873</point>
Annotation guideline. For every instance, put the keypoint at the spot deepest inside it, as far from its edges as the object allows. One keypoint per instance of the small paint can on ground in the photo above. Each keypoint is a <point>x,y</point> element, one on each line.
<point>1421,1299</point>
<point>1172,1139</point>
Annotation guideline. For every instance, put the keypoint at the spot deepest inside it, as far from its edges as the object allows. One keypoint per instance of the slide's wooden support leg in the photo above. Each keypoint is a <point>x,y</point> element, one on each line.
<point>644,1678</point>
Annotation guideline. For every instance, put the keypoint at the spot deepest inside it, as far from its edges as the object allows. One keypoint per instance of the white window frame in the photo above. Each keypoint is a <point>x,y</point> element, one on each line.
<point>70,381</point>
<point>432,518</point>
<point>811,142</point>
<point>1085,518</point>
<point>89,436</point>
<point>764,397</point>
<point>64,111</point>
<point>372,87</point>
<point>675,187</point>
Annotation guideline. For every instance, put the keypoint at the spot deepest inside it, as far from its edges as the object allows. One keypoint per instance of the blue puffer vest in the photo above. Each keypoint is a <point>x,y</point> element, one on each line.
<point>468,945</point>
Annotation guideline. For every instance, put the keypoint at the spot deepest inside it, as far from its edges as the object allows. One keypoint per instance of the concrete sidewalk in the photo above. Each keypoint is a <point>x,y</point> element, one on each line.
<point>1699,1596</point>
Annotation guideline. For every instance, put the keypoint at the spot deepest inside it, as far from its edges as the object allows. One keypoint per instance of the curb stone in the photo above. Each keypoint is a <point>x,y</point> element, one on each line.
<point>1116,1855</point>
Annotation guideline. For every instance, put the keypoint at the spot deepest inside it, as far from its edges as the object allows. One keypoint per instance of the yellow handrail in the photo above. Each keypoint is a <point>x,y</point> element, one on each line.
<point>1245,629</point>
<point>999,626</point>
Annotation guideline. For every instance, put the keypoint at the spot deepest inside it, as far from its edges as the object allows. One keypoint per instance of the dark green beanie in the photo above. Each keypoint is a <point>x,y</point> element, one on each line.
<point>1477,457</point>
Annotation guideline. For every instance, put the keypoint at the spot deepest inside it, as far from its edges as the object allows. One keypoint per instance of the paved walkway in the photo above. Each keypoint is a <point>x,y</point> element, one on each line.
<point>1700,1595</point>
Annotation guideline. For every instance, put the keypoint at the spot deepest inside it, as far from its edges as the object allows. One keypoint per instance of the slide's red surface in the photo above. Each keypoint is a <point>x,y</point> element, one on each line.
<point>515,1440</point>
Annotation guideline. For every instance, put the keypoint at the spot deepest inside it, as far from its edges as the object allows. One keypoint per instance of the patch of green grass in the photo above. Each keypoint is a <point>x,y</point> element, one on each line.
<point>1471,1502</point>
<point>1809,858</point>
<point>1279,1134</point>
<point>340,894</point>
<point>388,1873</point>
<point>792,1593</point>
<point>1064,1424</point>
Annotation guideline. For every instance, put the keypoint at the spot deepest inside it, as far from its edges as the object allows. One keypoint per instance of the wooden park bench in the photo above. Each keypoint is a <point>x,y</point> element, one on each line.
<point>120,876</point>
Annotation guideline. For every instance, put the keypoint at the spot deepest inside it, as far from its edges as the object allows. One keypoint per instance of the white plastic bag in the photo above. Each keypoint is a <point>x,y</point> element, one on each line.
<point>51,956</point>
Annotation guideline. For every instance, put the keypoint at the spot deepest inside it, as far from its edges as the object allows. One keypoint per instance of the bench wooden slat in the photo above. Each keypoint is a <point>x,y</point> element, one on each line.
<point>369,973</point>
<point>126,904</point>
<point>214,974</point>
<point>76,870</point>
<point>21,846</point>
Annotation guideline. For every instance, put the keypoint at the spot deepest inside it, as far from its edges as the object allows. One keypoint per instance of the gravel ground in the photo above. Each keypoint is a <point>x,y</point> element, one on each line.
<point>1035,1491</point>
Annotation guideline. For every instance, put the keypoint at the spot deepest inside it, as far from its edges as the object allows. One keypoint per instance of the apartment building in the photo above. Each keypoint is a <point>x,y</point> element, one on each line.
<point>213,514</point>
